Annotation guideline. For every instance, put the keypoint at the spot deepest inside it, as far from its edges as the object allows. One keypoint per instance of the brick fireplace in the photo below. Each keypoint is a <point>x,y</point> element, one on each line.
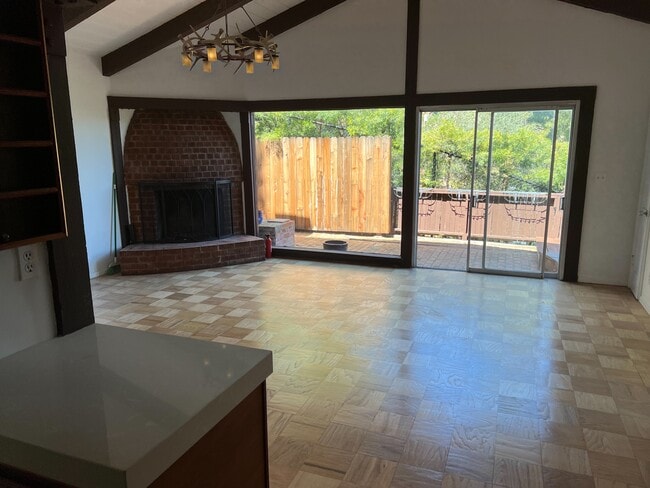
<point>183,176</point>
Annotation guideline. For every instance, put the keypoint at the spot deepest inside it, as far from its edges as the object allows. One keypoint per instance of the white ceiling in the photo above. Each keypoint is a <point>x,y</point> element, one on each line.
<point>125,20</point>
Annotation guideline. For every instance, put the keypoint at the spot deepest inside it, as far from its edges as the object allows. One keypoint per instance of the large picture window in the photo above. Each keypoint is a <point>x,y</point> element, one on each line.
<point>331,179</point>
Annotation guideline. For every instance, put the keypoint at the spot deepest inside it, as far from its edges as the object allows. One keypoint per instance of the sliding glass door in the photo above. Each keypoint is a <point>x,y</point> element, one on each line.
<point>505,175</point>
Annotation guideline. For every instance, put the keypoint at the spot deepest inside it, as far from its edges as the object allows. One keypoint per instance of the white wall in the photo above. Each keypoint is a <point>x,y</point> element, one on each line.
<point>27,310</point>
<point>88,90</point>
<point>126,114</point>
<point>358,49</point>
<point>232,119</point>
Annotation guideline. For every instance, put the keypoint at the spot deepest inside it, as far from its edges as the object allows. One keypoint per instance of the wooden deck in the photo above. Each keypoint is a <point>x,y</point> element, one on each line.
<point>435,253</point>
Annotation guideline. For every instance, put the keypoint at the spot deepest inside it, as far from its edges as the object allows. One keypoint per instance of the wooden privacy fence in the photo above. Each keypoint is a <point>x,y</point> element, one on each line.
<point>339,184</point>
<point>512,216</point>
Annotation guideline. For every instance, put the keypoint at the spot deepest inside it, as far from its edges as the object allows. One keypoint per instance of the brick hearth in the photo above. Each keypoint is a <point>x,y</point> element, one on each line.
<point>138,259</point>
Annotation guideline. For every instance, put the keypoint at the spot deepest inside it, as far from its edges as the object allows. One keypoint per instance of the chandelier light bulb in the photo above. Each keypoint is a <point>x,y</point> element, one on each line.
<point>259,55</point>
<point>207,66</point>
<point>186,60</point>
<point>212,53</point>
<point>275,62</point>
<point>250,67</point>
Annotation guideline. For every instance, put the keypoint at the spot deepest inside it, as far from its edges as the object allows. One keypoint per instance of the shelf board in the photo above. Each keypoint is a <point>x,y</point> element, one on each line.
<point>34,192</point>
<point>32,240</point>
<point>11,144</point>
<point>23,93</point>
<point>20,40</point>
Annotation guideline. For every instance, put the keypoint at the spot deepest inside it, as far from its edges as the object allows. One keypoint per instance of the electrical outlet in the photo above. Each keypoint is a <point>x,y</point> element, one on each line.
<point>26,262</point>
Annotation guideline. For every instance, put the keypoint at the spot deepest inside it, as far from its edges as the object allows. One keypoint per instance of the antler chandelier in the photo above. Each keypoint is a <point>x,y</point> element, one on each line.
<point>222,46</point>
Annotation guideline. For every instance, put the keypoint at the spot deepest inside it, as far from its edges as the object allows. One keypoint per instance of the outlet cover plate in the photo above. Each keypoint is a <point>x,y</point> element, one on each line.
<point>27,265</point>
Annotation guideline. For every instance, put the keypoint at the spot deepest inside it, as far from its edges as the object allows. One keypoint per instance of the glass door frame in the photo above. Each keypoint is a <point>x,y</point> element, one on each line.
<point>555,106</point>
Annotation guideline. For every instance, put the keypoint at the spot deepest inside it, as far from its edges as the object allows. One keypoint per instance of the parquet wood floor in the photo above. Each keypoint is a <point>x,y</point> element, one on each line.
<point>422,378</point>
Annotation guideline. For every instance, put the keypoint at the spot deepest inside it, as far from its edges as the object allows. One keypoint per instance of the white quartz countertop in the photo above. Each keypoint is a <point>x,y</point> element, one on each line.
<point>113,407</point>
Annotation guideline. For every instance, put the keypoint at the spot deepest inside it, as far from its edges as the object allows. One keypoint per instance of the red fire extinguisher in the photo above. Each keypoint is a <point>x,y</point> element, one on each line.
<point>268,243</point>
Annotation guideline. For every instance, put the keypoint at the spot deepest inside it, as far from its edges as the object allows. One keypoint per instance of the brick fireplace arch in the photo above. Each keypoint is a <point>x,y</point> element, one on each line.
<point>181,147</point>
<point>165,148</point>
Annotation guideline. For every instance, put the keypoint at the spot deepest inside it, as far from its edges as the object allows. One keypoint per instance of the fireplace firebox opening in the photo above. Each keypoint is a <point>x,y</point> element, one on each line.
<point>186,211</point>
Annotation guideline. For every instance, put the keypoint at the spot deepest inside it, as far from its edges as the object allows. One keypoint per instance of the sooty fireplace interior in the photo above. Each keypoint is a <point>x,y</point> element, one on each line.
<point>186,212</point>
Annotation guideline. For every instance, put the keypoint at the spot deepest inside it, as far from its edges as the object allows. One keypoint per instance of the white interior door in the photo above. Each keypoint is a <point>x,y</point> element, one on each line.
<point>639,271</point>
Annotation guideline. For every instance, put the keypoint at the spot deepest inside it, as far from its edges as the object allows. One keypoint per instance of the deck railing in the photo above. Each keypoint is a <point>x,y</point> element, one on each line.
<point>512,216</point>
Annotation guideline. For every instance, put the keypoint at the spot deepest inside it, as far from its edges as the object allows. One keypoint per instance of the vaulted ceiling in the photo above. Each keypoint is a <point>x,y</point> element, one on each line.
<point>146,27</point>
<point>631,9</point>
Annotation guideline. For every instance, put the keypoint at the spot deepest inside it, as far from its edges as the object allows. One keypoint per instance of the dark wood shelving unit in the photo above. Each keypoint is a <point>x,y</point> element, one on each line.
<point>23,93</point>
<point>20,40</point>
<point>12,195</point>
<point>31,201</point>
<point>10,144</point>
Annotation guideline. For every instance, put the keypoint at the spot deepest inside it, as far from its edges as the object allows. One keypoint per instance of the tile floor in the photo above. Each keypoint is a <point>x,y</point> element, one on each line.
<point>422,378</point>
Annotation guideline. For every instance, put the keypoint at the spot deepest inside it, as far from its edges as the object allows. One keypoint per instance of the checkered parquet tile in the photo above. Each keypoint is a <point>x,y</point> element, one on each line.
<point>422,378</point>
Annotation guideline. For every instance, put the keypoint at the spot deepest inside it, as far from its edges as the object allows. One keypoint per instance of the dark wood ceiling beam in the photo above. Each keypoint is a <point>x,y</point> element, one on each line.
<point>632,9</point>
<point>167,33</point>
<point>293,17</point>
<point>74,14</point>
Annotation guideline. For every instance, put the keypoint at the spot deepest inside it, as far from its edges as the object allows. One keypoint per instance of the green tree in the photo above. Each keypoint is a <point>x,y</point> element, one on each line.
<point>522,143</point>
<point>447,142</point>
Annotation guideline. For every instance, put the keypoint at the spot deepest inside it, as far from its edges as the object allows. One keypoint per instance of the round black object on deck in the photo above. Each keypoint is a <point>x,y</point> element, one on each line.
<point>335,245</point>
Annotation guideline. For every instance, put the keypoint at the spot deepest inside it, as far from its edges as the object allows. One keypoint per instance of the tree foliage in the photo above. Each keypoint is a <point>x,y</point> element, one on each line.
<point>522,143</point>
